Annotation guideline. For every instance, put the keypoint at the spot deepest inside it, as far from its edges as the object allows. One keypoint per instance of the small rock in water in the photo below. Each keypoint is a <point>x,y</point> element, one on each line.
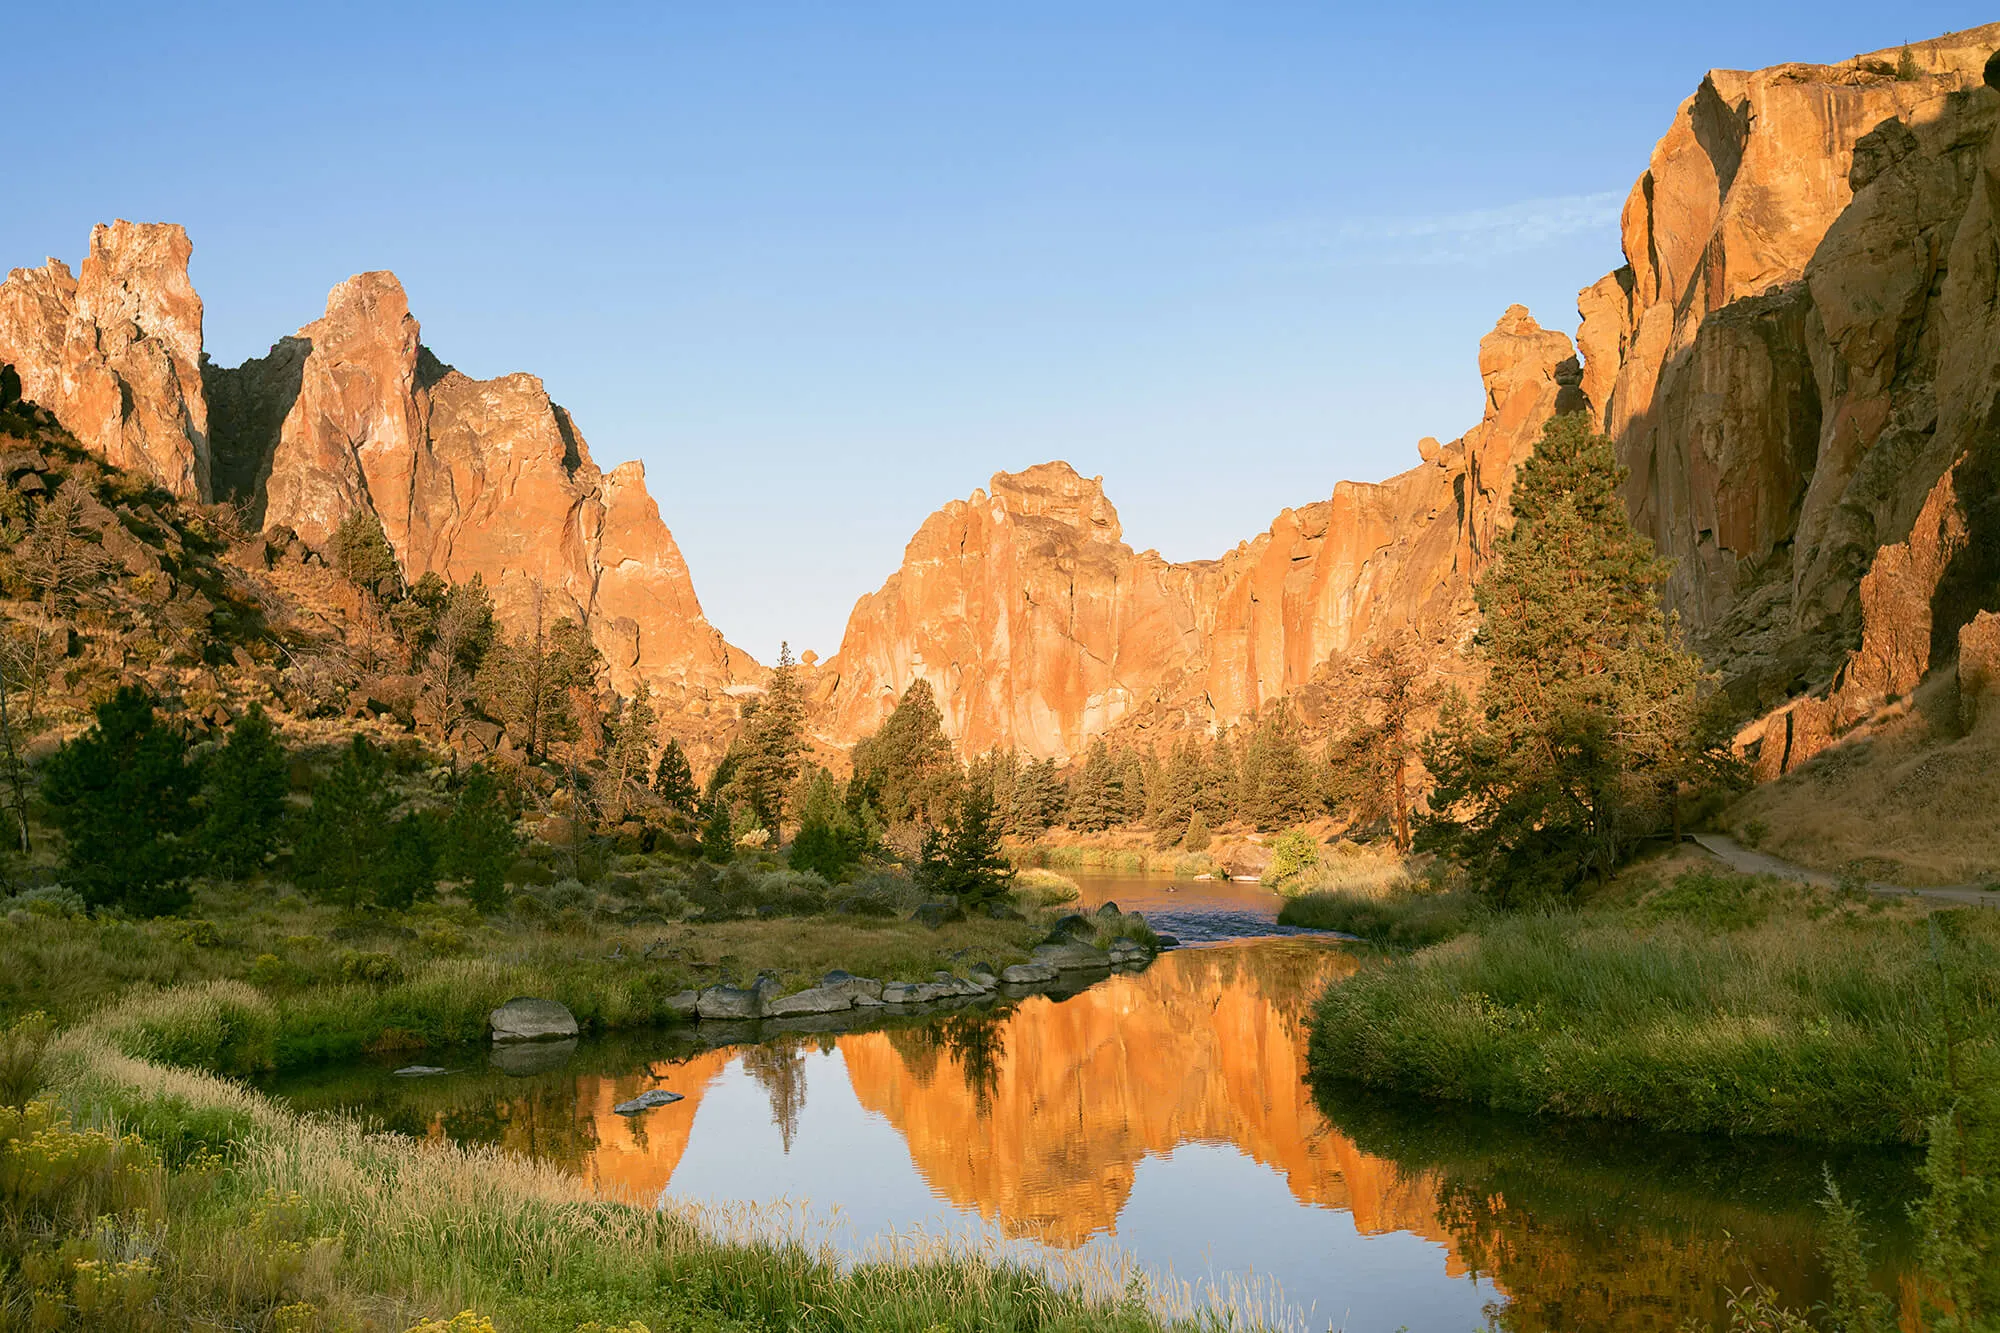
<point>646,1101</point>
<point>1167,942</point>
<point>1109,909</point>
<point>418,1071</point>
<point>526,1018</point>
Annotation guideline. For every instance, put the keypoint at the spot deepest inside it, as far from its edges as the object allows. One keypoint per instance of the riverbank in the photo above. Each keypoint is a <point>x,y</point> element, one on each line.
<point>1684,997</point>
<point>150,1187</point>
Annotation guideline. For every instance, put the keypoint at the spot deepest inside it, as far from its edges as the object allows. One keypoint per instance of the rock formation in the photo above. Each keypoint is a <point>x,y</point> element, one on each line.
<point>1039,628</point>
<point>469,477</point>
<point>1796,363</point>
<point>115,351</point>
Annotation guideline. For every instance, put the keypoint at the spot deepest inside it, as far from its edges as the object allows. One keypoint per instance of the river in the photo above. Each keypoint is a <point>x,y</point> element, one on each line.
<point>1163,1118</point>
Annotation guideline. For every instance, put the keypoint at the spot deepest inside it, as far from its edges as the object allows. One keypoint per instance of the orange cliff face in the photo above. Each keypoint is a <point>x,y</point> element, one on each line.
<point>1797,366</point>
<point>1039,628</point>
<point>115,351</point>
<point>1197,1049</point>
<point>469,477</point>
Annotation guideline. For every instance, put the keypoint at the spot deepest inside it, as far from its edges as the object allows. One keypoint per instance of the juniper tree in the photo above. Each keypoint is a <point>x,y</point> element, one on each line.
<point>245,797</point>
<point>362,554</point>
<point>479,842</point>
<point>1591,716</point>
<point>527,681</point>
<point>673,780</point>
<point>123,796</point>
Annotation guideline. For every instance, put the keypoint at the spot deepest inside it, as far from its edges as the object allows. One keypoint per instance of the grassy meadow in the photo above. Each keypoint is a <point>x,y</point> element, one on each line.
<point>1683,998</point>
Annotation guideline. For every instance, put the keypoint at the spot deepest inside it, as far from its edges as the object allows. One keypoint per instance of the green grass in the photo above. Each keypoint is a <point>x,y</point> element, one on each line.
<point>1401,920</point>
<point>312,1222</point>
<point>1711,1004</point>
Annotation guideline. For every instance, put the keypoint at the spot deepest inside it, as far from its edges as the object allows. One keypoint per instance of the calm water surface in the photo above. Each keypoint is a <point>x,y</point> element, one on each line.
<point>1166,1113</point>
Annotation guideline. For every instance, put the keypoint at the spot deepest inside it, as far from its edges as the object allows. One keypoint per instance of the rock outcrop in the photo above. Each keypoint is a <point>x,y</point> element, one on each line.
<point>1039,628</point>
<point>1797,365</point>
<point>115,351</point>
<point>486,478</point>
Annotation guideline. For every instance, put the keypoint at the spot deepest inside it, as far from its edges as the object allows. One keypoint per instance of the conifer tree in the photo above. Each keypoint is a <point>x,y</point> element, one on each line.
<point>718,833</point>
<point>828,841</point>
<point>123,795</point>
<point>245,797</point>
<point>1196,838</point>
<point>1096,791</point>
<point>1279,787</point>
<point>342,843</point>
<point>907,770</point>
<point>673,780</point>
<point>964,859</point>
<point>1591,716</point>
<point>362,554</point>
<point>773,741</point>
<point>527,681</point>
<point>1220,792</point>
<point>479,842</point>
<point>629,752</point>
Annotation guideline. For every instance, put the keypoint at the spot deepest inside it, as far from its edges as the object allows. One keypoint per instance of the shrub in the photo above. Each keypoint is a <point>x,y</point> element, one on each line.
<point>1294,854</point>
<point>373,969</point>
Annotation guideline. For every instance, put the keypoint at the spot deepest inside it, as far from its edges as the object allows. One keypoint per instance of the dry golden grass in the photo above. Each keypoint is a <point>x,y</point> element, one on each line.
<point>1907,799</point>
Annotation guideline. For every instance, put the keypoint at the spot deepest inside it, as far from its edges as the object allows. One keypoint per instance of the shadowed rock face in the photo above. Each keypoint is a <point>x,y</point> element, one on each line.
<point>1796,364</point>
<point>115,351</point>
<point>469,477</point>
<point>1038,627</point>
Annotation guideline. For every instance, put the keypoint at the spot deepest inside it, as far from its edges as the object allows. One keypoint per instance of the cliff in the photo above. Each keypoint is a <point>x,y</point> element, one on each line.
<point>1796,363</point>
<point>469,477</point>
<point>1039,627</point>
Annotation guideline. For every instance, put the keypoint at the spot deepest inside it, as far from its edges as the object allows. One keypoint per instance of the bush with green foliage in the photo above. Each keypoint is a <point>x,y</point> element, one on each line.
<point>350,847</point>
<point>123,795</point>
<point>1294,855</point>
<point>963,860</point>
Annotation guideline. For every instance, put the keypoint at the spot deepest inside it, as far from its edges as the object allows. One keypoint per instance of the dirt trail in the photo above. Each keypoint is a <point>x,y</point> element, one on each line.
<point>1738,857</point>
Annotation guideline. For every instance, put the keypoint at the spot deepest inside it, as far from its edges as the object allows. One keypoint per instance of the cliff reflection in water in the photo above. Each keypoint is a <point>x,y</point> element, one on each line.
<point>1036,1117</point>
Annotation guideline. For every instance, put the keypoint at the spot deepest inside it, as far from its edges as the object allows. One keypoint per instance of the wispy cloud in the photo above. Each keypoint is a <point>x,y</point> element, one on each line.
<point>1470,236</point>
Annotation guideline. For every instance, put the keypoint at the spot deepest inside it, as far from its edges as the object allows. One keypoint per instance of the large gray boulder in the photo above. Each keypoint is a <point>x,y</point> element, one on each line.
<point>525,1018</point>
<point>686,1004</point>
<point>850,985</point>
<point>1029,974</point>
<point>1070,957</point>
<point>1075,927</point>
<point>813,1000</point>
<point>937,914</point>
<point>736,1001</point>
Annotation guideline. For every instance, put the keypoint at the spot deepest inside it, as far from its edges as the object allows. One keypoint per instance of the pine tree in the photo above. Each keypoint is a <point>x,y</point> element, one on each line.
<point>773,741</point>
<point>629,752</point>
<point>828,841</point>
<point>123,794</point>
<point>362,554</point>
<point>343,848</point>
<point>1591,717</point>
<point>1393,688</point>
<point>1279,787</point>
<point>1220,794</point>
<point>1096,791</point>
<point>527,682</point>
<point>673,780</point>
<point>458,639</point>
<point>245,797</point>
<point>907,770</point>
<point>718,833</point>
<point>964,860</point>
<point>1196,838</point>
<point>479,843</point>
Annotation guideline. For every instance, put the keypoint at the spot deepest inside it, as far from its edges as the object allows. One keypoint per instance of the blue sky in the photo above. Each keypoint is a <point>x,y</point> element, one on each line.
<point>824,267</point>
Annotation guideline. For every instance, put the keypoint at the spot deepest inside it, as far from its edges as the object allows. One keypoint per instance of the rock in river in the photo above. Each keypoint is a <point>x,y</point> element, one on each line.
<point>735,1001</point>
<point>1070,957</point>
<point>1029,974</point>
<point>419,1071</point>
<point>525,1018</point>
<point>646,1101</point>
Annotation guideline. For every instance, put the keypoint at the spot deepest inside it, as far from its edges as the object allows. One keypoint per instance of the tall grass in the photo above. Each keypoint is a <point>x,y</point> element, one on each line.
<point>1401,920</point>
<point>316,1221</point>
<point>1777,1015</point>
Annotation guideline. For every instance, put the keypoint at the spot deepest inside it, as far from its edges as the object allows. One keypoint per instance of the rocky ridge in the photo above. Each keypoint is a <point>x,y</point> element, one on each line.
<point>485,478</point>
<point>1038,627</point>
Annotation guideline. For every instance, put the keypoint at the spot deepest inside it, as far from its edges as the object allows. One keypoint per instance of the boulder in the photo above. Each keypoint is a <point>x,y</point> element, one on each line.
<point>685,1004</point>
<point>1109,910</point>
<point>419,1071</point>
<point>1074,927</point>
<point>525,1018</point>
<point>814,1000</point>
<point>733,1001</point>
<point>1070,956</point>
<point>646,1101</point>
<point>937,914</point>
<point>852,986</point>
<point>1030,974</point>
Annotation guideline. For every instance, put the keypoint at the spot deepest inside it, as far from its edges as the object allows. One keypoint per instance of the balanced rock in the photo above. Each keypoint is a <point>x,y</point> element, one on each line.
<point>525,1018</point>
